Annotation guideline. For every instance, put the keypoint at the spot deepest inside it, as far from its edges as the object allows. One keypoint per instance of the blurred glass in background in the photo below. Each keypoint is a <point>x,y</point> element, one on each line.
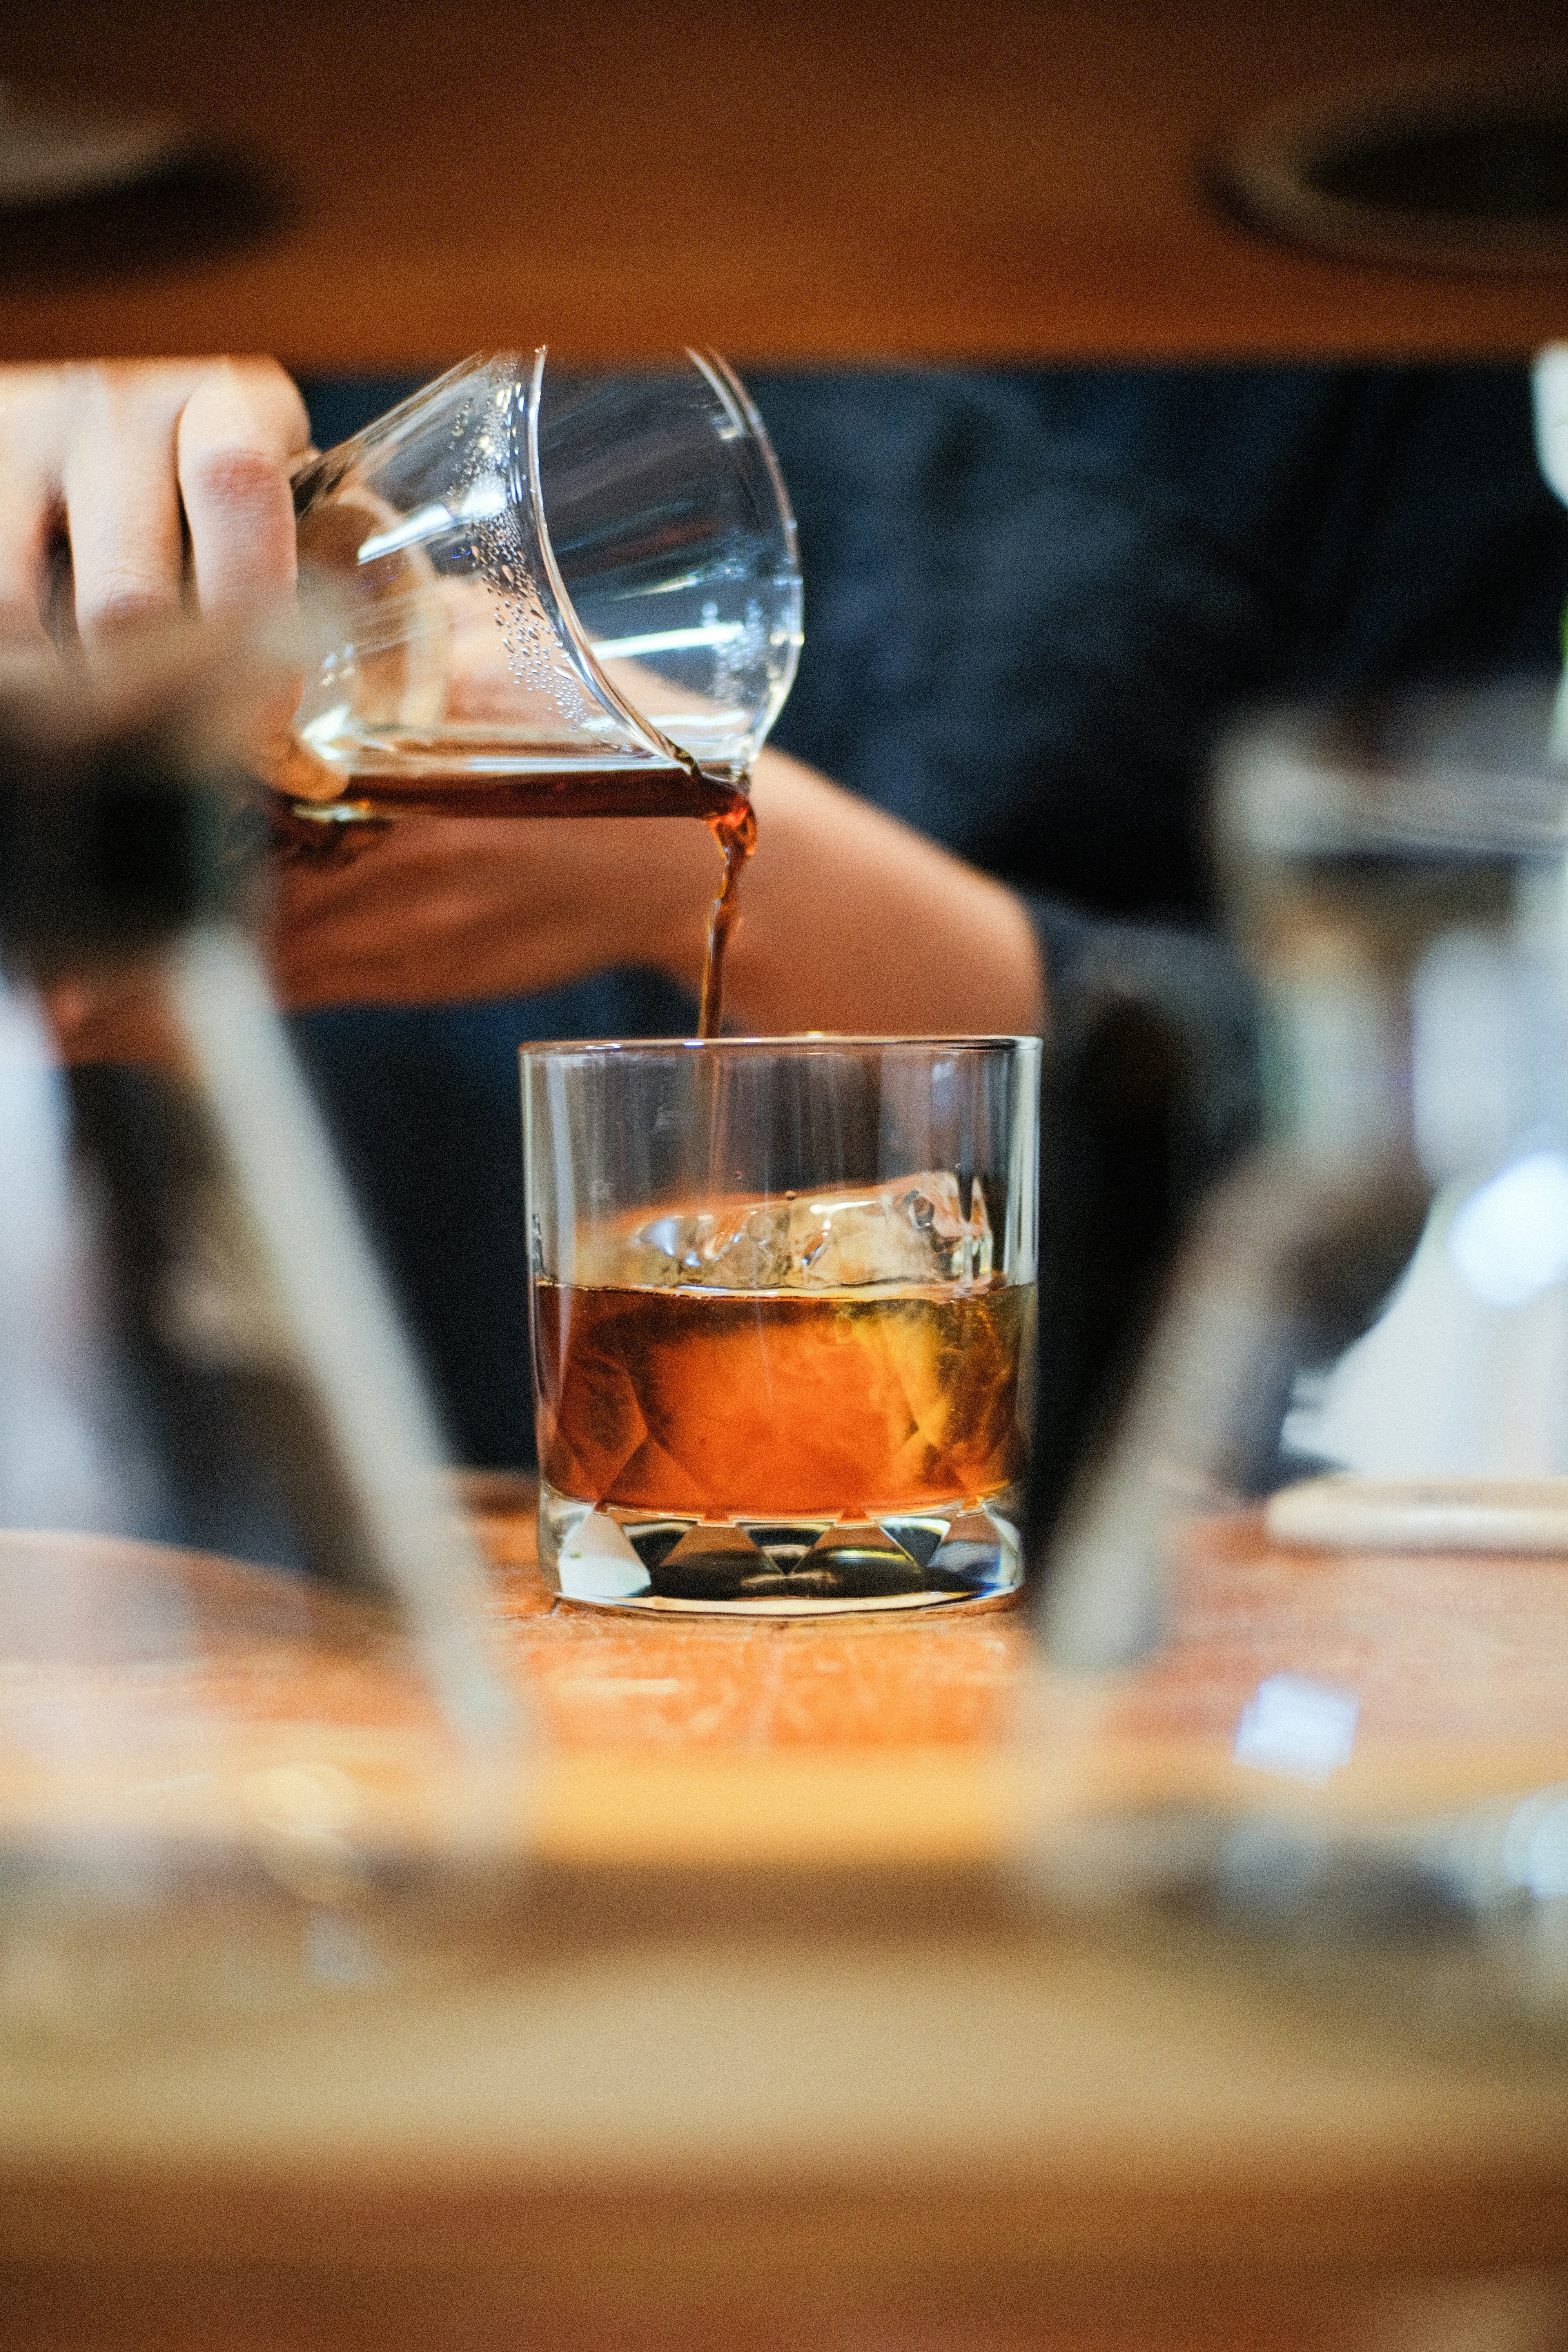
<point>252,1743</point>
<point>1320,1565</point>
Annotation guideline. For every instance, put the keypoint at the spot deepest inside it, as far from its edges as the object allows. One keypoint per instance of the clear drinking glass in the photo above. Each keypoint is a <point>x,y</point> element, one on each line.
<point>531,591</point>
<point>783,1302</point>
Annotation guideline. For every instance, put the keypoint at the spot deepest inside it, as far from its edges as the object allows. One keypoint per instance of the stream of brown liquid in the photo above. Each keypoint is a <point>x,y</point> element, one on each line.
<point>736,835</point>
<point>572,787</point>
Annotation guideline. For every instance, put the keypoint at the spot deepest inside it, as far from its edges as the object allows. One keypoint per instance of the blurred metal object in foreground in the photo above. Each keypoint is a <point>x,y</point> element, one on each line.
<point>212,1435</point>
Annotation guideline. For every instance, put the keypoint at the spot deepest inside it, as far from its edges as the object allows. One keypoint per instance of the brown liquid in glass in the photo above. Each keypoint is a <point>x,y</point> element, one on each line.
<point>570,787</point>
<point>785,1401</point>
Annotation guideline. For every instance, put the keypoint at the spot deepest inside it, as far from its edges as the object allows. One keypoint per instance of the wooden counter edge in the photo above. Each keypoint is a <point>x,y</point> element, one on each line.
<point>691,2237</point>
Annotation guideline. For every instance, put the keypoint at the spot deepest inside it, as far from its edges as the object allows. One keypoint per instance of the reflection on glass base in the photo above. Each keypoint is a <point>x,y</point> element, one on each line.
<point>967,1549</point>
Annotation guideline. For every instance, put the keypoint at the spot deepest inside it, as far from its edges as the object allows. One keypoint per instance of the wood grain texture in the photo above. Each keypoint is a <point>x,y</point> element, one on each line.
<point>294,2307</point>
<point>768,2046</point>
<point>1014,179</point>
<point>930,1741</point>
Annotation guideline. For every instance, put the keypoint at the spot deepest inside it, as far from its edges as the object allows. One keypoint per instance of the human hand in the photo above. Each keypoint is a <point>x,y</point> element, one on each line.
<point>448,909</point>
<point>849,919</point>
<point>114,463</point>
<point>134,489</point>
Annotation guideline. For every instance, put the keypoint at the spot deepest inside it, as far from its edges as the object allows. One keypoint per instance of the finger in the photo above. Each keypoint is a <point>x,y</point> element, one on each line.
<point>121,502</point>
<point>242,424</point>
<point>30,507</point>
<point>241,429</point>
<point>26,532</point>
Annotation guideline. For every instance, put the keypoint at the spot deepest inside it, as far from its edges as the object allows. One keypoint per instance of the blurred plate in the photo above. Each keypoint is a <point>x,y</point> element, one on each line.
<point>1466,169</point>
<point>51,152</point>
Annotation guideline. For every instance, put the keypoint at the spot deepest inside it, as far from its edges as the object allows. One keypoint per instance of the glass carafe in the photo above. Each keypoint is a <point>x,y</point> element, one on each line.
<point>534,591</point>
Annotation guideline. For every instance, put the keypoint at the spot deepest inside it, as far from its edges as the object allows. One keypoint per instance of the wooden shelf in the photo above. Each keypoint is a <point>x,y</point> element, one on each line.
<point>1016,179</point>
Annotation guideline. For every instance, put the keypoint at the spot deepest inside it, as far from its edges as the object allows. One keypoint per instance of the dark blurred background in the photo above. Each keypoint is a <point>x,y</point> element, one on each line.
<point>1083,464</point>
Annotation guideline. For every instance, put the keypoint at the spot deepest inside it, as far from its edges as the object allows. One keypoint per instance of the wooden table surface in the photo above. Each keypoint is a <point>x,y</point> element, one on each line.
<point>771,2043</point>
<point>822,179</point>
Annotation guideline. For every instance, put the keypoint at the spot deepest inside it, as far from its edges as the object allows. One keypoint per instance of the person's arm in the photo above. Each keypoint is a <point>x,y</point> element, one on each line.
<point>849,919</point>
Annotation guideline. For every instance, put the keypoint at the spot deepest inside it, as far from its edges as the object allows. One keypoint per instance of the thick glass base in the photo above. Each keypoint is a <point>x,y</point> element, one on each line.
<point>969,1549</point>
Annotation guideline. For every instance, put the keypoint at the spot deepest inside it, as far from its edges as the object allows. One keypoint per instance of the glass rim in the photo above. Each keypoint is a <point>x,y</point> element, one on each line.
<point>793,1042</point>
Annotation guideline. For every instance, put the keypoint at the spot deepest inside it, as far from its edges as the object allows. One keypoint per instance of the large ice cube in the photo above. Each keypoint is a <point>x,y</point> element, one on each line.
<point>911,1230</point>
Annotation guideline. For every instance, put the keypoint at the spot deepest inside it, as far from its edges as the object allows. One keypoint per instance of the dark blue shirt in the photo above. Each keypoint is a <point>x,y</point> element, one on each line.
<point>1031,600</point>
